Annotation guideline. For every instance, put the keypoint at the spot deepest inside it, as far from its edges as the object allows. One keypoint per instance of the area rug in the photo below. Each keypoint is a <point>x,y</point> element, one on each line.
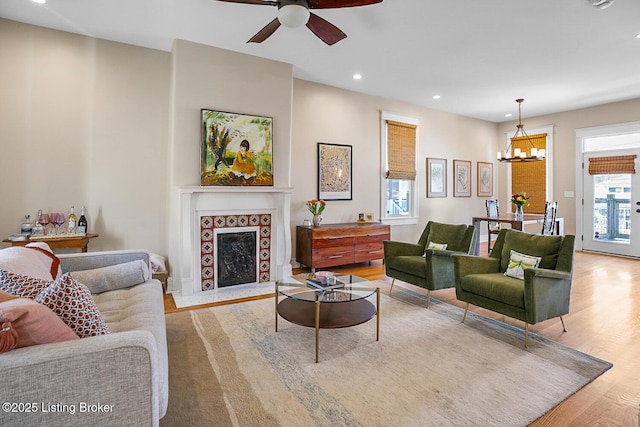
<point>228,367</point>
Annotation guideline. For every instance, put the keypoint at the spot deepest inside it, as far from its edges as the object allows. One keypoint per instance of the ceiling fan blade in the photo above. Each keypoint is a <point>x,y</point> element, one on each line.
<point>325,30</point>
<point>260,2</point>
<point>333,4</point>
<point>264,33</point>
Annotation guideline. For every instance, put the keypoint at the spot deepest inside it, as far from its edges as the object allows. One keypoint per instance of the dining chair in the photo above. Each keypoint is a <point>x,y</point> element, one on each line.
<point>549,221</point>
<point>493,227</point>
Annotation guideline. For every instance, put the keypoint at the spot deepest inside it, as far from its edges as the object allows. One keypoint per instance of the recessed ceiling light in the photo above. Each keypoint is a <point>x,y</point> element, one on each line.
<point>508,115</point>
<point>39,1</point>
<point>638,36</point>
<point>357,76</point>
<point>436,96</point>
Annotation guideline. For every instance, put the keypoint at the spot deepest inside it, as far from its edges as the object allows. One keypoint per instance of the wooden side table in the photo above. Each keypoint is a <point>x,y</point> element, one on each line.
<point>58,242</point>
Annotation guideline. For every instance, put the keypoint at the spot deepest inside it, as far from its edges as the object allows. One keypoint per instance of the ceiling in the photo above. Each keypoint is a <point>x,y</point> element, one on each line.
<point>479,56</point>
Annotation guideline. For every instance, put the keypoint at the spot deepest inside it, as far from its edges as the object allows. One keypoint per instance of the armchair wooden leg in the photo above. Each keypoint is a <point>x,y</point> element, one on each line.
<point>526,335</point>
<point>428,297</point>
<point>563,327</point>
<point>465,312</point>
<point>392,282</point>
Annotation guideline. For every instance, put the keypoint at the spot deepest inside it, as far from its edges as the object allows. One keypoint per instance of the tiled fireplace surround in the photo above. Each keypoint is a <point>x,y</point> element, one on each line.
<point>205,209</point>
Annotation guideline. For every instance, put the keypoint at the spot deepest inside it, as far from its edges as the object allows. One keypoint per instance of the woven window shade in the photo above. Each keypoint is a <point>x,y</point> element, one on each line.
<point>612,164</point>
<point>401,150</point>
<point>530,177</point>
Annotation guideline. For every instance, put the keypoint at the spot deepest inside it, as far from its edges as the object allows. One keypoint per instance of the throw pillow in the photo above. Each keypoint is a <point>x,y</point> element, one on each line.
<point>438,246</point>
<point>30,261</point>
<point>21,285</point>
<point>519,262</point>
<point>6,296</point>
<point>31,323</point>
<point>73,303</point>
<point>116,276</point>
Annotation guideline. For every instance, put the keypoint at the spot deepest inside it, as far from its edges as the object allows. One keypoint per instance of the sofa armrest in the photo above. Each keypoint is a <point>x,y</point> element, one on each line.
<point>393,248</point>
<point>101,381</point>
<point>91,260</point>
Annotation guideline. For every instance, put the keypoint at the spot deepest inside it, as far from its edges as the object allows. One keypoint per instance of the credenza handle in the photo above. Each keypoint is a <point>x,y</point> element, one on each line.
<point>335,256</point>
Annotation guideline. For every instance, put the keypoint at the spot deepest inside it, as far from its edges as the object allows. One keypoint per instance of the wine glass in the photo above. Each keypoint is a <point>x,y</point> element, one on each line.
<point>58,220</point>
<point>50,228</point>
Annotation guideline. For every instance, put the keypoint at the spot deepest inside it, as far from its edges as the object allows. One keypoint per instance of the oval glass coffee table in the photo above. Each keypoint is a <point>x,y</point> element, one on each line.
<point>321,309</point>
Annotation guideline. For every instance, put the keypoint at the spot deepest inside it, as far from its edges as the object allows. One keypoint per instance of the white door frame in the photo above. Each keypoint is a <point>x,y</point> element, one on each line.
<point>581,135</point>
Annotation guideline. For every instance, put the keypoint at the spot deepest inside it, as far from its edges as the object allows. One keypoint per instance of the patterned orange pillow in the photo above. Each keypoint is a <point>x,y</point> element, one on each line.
<point>73,303</point>
<point>21,285</point>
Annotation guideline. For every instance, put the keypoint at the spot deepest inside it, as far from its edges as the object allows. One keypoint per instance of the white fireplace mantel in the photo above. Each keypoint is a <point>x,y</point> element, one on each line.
<point>198,201</point>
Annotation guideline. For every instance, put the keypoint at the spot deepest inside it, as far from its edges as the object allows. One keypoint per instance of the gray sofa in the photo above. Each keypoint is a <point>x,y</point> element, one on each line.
<point>116,379</point>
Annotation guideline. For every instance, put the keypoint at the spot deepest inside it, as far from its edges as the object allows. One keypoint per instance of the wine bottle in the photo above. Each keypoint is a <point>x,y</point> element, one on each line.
<point>72,222</point>
<point>38,227</point>
<point>82,222</point>
<point>26,226</point>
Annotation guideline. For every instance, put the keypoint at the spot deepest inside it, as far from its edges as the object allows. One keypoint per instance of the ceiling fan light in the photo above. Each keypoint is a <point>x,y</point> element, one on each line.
<point>293,15</point>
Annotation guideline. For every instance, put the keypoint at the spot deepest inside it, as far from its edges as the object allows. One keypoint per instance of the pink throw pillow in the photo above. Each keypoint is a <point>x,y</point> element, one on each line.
<point>32,323</point>
<point>31,261</point>
<point>6,296</point>
<point>73,303</point>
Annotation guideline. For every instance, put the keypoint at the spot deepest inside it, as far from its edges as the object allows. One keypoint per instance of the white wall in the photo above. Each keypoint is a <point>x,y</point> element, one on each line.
<point>332,115</point>
<point>83,121</point>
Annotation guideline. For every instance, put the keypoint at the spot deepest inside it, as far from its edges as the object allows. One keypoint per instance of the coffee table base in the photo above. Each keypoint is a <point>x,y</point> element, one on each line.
<point>331,316</point>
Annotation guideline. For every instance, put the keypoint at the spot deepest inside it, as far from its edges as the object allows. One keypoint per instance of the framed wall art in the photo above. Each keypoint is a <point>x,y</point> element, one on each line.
<point>461,178</point>
<point>485,179</point>
<point>436,177</point>
<point>236,149</point>
<point>334,172</point>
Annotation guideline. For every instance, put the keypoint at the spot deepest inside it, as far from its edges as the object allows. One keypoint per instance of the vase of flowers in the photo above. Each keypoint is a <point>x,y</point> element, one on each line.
<point>316,207</point>
<point>519,200</point>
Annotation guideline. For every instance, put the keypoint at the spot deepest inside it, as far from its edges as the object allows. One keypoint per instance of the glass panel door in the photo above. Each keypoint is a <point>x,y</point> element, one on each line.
<point>611,209</point>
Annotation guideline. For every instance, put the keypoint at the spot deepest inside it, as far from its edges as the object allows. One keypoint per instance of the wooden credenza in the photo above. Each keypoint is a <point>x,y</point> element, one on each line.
<point>340,244</point>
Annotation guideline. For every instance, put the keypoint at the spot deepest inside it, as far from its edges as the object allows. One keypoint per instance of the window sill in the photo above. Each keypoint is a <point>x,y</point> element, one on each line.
<point>405,220</point>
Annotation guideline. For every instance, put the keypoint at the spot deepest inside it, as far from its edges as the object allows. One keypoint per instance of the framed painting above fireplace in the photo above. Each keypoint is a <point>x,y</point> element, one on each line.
<point>235,149</point>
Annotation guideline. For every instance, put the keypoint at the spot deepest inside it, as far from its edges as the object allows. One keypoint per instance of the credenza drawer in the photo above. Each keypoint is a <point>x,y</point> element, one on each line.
<point>332,256</point>
<point>330,242</point>
<point>369,252</point>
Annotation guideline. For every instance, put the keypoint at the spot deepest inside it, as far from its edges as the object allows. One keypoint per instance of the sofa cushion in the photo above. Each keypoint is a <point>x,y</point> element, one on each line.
<point>114,276</point>
<point>140,307</point>
<point>546,247</point>
<point>415,264</point>
<point>519,262</point>
<point>495,286</point>
<point>73,303</point>
<point>34,323</point>
<point>22,285</point>
<point>450,234</point>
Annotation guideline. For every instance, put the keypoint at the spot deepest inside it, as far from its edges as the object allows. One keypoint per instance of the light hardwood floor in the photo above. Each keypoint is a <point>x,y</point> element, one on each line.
<point>604,321</point>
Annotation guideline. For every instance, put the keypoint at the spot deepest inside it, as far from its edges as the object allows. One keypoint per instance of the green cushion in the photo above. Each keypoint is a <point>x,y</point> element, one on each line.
<point>495,286</point>
<point>546,247</point>
<point>450,234</point>
<point>416,265</point>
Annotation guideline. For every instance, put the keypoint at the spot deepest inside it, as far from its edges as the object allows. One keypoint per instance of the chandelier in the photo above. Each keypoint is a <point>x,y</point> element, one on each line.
<point>530,153</point>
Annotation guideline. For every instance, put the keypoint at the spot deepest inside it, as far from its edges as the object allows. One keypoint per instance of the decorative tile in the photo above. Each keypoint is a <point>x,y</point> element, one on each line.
<point>207,223</point>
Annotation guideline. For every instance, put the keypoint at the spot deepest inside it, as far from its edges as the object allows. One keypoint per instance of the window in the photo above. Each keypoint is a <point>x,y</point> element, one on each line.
<point>536,178</point>
<point>399,139</point>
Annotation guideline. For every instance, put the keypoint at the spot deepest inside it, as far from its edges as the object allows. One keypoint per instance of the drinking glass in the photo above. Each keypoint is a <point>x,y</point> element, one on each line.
<point>58,221</point>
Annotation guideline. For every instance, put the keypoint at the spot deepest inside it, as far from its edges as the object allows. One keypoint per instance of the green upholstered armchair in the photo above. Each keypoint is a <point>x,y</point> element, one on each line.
<point>544,292</point>
<point>431,269</point>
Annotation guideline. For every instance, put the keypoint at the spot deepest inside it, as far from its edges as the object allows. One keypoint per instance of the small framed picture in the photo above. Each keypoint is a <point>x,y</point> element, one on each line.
<point>485,179</point>
<point>365,217</point>
<point>334,172</point>
<point>436,177</point>
<point>462,178</point>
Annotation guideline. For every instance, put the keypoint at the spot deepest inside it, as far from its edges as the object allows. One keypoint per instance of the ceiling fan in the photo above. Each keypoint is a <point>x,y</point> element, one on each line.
<point>294,13</point>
